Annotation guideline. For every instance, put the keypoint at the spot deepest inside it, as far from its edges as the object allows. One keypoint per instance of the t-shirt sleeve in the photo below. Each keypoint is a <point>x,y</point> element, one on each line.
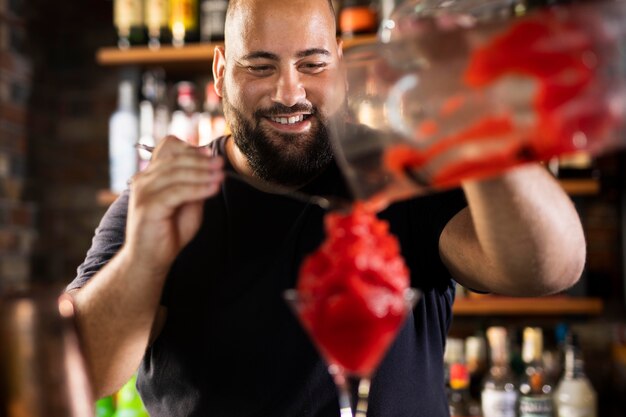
<point>108,238</point>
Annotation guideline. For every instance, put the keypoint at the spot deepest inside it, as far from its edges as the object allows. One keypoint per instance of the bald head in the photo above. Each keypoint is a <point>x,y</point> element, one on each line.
<point>241,13</point>
<point>235,4</point>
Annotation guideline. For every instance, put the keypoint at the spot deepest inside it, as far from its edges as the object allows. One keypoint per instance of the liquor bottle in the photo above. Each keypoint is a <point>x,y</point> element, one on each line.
<point>579,165</point>
<point>184,123</point>
<point>574,395</point>
<point>476,360</point>
<point>212,20</point>
<point>146,132</point>
<point>161,106</point>
<point>184,22</point>
<point>554,355</point>
<point>105,407</point>
<point>499,394</point>
<point>386,8</point>
<point>129,402</point>
<point>156,14</point>
<point>453,353</point>
<point>123,135</point>
<point>129,22</point>
<point>357,17</point>
<point>211,122</point>
<point>535,398</point>
<point>150,113</point>
<point>459,400</point>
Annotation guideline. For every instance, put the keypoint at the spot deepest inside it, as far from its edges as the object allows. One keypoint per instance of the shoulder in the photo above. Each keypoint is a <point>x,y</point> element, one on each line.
<point>107,240</point>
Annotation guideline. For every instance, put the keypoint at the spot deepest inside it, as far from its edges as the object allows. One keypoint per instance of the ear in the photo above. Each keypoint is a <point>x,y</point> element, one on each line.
<point>219,67</point>
<point>340,48</point>
<point>341,62</point>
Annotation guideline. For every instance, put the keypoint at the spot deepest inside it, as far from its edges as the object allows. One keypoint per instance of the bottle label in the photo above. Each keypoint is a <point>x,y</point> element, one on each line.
<point>499,403</point>
<point>185,13</point>
<point>573,411</point>
<point>156,14</point>
<point>127,13</point>
<point>213,19</point>
<point>536,406</point>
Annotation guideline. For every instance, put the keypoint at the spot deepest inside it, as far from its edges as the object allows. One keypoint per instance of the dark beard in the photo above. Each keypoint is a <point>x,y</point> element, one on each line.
<point>273,163</point>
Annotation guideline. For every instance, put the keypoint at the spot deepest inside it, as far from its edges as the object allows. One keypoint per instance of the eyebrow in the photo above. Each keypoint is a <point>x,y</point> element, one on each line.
<point>272,56</point>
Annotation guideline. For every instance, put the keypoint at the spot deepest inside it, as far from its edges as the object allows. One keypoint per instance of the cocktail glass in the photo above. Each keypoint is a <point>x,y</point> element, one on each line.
<point>352,332</point>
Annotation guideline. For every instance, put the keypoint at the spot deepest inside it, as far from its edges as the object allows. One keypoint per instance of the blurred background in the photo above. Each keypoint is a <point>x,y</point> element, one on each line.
<point>61,68</point>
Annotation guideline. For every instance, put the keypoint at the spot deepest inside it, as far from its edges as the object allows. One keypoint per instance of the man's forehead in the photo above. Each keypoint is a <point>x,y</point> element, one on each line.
<point>299,24</point>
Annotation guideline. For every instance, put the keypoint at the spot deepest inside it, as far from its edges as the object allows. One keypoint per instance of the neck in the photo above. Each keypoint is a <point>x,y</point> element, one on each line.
<point>240,163</point>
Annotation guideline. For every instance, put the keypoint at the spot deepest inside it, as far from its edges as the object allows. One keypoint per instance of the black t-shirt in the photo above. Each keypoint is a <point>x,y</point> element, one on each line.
<point>230,347</point>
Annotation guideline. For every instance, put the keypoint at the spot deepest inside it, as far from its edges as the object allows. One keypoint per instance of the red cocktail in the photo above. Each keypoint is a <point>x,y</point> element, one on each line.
<point>352,298</point>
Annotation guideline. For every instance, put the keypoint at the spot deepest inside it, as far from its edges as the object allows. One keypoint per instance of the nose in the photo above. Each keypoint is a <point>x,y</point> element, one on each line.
<point>289,88</point>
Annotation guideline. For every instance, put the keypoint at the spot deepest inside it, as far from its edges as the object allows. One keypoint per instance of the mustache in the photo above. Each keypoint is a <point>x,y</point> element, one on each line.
<point>279,109</point>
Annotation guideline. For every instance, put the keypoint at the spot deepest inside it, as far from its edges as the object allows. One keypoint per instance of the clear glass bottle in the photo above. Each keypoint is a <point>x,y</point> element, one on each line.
<point>123,135</point>
<point>157,22</point>
<point>499,393</point>
<point>153,113</point>
<point>211,122</point>
<point>184,121</point>
<point>535,398</point>
<point>574,395</point>
<point>128,19</point>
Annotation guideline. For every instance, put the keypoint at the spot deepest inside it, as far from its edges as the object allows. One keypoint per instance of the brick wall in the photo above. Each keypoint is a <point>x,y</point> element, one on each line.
<point>17,215</point>
<point>71,101</point>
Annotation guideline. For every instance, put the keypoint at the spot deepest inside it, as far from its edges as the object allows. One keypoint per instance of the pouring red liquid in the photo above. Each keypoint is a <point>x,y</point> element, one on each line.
<point>447,102</point>
<point>571,100</point>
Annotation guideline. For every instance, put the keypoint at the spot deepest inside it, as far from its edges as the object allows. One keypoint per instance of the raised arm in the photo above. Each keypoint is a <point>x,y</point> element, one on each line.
<point>519,235</point>
<point>116,309</point>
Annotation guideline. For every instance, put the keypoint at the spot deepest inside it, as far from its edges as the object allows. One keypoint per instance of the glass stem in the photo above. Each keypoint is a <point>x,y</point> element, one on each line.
<point>363,395</point>
<point>343,389</point>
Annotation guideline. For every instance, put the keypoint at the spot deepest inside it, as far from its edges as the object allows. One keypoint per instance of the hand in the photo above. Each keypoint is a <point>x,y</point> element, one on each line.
<point>166,202</point>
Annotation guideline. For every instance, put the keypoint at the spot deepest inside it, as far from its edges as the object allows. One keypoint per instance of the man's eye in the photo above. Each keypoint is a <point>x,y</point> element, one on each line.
<point>313,67</point>
<point>259,69</point>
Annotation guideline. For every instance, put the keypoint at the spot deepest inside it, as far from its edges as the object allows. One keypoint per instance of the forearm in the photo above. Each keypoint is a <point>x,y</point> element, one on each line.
<point>115,312</point>
<point>526,234</point>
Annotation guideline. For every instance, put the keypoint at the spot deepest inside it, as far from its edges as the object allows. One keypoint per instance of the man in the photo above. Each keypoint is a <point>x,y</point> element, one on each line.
<point>185,275</point>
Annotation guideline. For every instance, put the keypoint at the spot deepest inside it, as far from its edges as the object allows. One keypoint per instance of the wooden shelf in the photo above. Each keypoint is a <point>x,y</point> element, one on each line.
<point>580,187</point>
<point>199,54</point>
<point>539,306</point>
<point>105,197</point>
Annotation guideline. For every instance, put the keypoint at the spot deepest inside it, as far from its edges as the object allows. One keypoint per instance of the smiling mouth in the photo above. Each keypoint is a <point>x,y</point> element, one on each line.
<point>289,120</point>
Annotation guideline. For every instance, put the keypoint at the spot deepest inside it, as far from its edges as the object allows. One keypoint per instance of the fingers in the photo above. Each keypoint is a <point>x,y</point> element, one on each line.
<point>178,174</point>
<point>171,146</point>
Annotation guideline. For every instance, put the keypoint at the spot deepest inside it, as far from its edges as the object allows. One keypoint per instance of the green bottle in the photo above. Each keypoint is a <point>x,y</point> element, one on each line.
<point>129,402</point>
<point>105,407</point>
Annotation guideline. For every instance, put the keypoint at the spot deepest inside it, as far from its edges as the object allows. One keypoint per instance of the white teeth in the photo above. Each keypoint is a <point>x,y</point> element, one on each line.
<point>290,120</point>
